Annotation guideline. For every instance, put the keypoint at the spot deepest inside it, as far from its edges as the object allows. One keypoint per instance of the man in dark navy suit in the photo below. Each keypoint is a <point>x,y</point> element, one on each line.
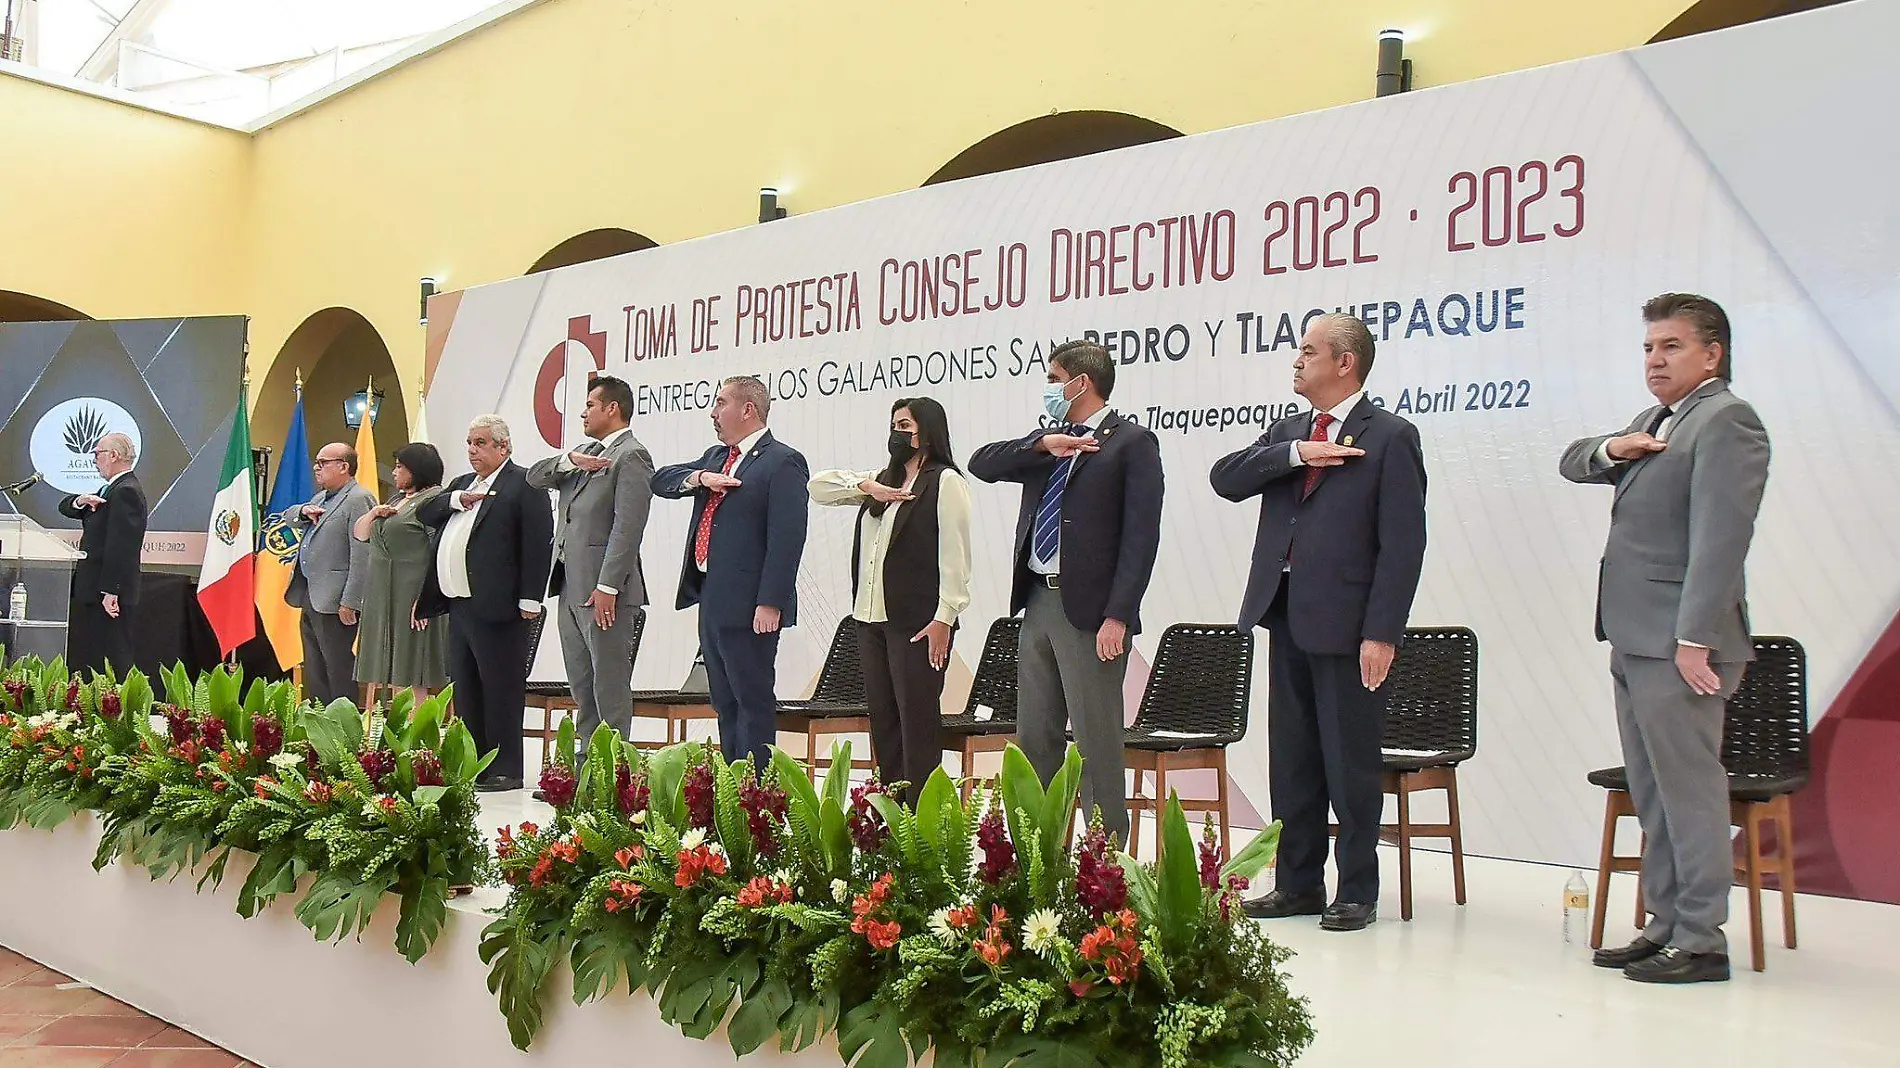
<point>742,554</point>
<point>1085,547</point>
<point>1336,564</point>
<point>106,580</point>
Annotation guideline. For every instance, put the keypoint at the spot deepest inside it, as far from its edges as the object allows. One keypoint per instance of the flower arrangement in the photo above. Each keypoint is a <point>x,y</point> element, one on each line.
<point>361,804</point>
<point>785,910</point>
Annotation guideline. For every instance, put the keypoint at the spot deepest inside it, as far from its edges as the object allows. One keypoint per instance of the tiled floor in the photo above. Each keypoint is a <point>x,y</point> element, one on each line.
<point>43,1026</point>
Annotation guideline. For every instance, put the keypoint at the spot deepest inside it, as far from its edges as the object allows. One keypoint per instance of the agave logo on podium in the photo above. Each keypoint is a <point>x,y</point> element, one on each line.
<point>65,436</point>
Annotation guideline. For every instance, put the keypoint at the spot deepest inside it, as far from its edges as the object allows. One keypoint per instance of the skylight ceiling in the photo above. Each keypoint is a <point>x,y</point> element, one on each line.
<point>228,61</point>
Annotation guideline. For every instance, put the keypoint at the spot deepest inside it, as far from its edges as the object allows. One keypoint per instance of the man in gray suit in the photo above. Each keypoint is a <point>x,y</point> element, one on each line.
<point>605,498</point>
<point>331,569</point>
<point>1689,474</point>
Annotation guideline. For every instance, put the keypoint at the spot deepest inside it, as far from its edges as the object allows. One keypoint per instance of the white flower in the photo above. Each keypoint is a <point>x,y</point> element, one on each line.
<point>286,761</point>
<point>370,811</point>
<point>640,817</point>
<point>783,876</point>
<point>717,848</point>
<point>1041,930</point>
<point>940,926</point>
<point>241,748</point>
<point>839,891</point>
<point>693,839</point>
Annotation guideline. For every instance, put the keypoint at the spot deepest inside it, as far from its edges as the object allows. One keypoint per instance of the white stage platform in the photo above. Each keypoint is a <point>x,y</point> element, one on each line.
<point>1487,984</point>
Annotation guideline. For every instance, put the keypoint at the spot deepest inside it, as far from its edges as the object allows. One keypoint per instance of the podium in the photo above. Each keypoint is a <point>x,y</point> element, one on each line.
<point>35,556</point>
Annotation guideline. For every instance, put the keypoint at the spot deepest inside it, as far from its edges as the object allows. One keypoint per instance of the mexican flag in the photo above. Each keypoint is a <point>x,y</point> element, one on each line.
<point>227,580</point>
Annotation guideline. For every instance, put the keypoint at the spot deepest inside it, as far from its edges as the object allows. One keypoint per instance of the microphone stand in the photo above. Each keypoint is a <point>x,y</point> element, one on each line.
<point>22,484</point>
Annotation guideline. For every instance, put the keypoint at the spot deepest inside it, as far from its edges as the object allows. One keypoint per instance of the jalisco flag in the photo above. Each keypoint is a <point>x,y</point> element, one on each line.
<point>366,448</point>
<point>227,581</point>
<point>277,555</point>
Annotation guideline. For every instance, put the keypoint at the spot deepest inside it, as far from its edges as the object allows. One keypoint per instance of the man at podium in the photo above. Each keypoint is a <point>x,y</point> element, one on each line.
<point>106,581</point>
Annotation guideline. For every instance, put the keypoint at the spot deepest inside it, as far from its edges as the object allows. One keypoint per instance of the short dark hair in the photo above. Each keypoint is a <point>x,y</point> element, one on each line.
<point>1349,333</point>
<point>1706,316</point>
<point>614,391</point>
<point>1086,358</point>
<point>423,462</point>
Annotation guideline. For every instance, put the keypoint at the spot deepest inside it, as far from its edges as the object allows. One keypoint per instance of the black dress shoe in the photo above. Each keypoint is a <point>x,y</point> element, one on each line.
<point>498,784</point>
<point>1641,949</point>
<point>1280,904</point>
<point>1677,965</point>
<point>540,795</point>
<point>1348,916</point>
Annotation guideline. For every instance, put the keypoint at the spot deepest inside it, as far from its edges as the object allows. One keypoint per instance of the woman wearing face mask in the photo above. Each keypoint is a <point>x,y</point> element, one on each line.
<point>910,573</point>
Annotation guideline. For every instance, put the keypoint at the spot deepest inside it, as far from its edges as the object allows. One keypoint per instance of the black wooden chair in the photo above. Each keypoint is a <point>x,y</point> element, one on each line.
<point>836,705</point>
<point>1431,727</point>
<point>1765,750</point>
<point>553,698</point>
<point>994,688</point>
<point>1194,707</point>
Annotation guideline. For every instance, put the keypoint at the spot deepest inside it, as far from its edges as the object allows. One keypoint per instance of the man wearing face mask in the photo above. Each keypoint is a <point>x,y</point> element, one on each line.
<point>1086,539</point>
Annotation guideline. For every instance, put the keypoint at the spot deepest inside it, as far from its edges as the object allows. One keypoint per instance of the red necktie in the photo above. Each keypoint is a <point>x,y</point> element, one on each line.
<point>702,541</point>
<point>1321,422</point>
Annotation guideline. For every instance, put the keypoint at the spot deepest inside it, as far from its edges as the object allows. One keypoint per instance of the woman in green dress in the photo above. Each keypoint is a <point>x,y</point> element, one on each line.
<point>393,647</point>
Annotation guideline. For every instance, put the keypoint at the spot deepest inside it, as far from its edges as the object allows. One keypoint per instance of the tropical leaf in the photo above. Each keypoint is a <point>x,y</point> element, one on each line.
<point>425,908</point>
<point>604,960</point>
<point>758,1017</point>
<point>1255,855</point>
<point>337,906</point>
<point>1022,792</point>
<point>871,1038</point>
<point>518,969</point>
<point>1177,877</point>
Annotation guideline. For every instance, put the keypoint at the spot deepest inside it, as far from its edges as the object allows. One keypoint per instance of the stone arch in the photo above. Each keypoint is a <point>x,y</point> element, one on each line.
<point>592,245</point>
<point>27,308</point>
<point>337,351</point>
<point>1048,138</point>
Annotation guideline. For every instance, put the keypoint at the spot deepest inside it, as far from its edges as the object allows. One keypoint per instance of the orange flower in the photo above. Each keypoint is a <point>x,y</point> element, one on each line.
<point>963,918</point>
<point>883,935</point>
<point>543,868</point>
<point>753,894</point>
<point>505,843</point>
<point>262,786</point>
<point>529,829</point>
<point>621,894</point>
<point>624,856</point>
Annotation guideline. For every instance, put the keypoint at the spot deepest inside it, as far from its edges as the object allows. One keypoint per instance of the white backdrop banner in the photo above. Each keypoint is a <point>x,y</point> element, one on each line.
<point>1499,237</point>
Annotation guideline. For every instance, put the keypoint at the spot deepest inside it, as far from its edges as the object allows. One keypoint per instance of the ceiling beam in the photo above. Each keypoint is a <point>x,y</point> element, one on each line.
<point>103,64</point>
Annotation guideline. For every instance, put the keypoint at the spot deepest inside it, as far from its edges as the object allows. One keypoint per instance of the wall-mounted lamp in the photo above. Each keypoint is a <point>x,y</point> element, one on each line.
<point>430,287</point>
<point>769,210</point>
<point>1395,71</point>
<point>363,400</point>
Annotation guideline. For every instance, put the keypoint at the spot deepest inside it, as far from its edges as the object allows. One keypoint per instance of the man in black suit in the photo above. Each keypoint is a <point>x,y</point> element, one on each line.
<point>106,582</point>
<point>741,566</point>
<point>490,577</point>
<point>1336,564</point>
<point>1086,539</point>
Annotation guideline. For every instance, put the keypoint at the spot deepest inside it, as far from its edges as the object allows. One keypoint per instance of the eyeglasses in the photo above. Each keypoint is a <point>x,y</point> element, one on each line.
<point>320,463</point>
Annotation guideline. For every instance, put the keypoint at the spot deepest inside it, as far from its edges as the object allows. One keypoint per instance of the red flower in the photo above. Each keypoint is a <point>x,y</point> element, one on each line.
<point>1115,947</point>
<point>504,843</point>
<point>1100,884</point>
<point>378,764</point>
<point>110,705</point>
<point>867,828</point>
<point>543,868</point>
<point>262,786</point>
<point>558,785</point>
<point>698,861</point>
<point>964,917</point>
<point>388,804</point>
<point>427,766</point>
<point>630,791</point>
<point>992,837</point>
<point>72,695</point>
<point>179,722</point>
<point>626,855</point>
<point>698,788</point>
<point>213,732</point>
<point>317,793</point>
<point>529,829</point>
<point>764,807</point>
<point>1209,851</point>
<point>993,947</point>
<point>1080,987</point>
<point>267,736</point>
<point>621,894</point>
<point>881,934</point>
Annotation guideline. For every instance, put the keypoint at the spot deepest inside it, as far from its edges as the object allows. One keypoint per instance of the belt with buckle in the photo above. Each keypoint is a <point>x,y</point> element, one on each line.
<point>1053,582</point>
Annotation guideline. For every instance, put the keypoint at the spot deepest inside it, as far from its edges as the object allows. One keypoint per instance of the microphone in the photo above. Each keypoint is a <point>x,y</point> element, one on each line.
<point>23,483</point>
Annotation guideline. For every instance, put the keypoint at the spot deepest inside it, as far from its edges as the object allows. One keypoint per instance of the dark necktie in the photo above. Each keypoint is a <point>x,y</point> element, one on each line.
<point>1321,423</point>
<point>1662,416</point>
<point>1048,534</point>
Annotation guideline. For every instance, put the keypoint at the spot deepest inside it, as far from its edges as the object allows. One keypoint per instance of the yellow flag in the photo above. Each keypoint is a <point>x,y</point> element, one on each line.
<point>366,453</point>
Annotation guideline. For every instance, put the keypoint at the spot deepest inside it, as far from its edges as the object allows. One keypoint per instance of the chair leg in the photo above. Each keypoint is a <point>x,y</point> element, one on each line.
<point>1784,848</point>
<point>1751,852</point>
<point>1133,845</point>
<point>1642,909</point>
<point>811,750</point>
<point>1220,800</point>
<point>1161,799</point>
<point>547,728</point>
<point>1457,838</point>
<point>1405,846</point>
<point>969,769</point>
<point>1605,855</point>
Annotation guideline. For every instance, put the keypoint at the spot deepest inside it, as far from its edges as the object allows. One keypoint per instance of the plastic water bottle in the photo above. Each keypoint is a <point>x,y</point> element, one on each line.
<point>16,602</point>
<point>1576,908</point>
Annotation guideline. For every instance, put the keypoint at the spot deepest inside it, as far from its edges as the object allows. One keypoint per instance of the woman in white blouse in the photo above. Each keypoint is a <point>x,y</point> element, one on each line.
<point>910,576</point>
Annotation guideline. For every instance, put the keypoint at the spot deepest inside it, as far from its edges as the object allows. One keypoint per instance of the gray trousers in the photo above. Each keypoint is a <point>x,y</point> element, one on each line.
<point>329,657</point>
<point>599,665</point>
<point>1062,683</point>
<point>1672,746</point>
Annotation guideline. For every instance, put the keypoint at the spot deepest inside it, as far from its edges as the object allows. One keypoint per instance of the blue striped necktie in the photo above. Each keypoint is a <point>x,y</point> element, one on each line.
<point>1048,535</point>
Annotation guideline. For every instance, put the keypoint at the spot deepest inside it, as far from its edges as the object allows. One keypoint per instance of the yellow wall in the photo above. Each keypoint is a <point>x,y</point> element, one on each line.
<point>665,118</point>
<point>119,212</point>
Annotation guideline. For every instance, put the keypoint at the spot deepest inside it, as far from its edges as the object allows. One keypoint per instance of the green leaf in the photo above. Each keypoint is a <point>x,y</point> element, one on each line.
<point>1177,877</point>
<point>1255,855</point>
<point>734,831</point>
<point>425,907</point>
<point>430,795</point>
<point>838,776</point>
<point>602,960</point>
<point>939,811</point>
<point>1022,791</point>
<point>337,906</point>
<point>273,874</point>
<point>1141,885</point>
<point>758,1017</point>
<point>1058,807</point>
<point>564,742</point>
<point>460,762</point>
<point>834,837</point>
<point>422,729</point>
<point>519,964</point>
<point>665,770</point>
<point>872,1039</point>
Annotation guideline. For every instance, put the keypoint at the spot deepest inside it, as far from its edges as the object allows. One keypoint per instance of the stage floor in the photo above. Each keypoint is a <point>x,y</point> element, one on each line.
<point>1492,983</point>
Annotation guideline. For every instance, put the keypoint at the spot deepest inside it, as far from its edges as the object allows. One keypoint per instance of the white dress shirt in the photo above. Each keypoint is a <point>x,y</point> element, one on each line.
<point>1053,565</point>
<point>566,463</point>
<point>451,555</point>
<point>745,446</point>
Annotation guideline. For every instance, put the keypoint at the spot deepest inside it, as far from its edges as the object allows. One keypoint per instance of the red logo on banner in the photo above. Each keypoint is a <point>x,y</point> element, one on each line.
<point>547,415</point>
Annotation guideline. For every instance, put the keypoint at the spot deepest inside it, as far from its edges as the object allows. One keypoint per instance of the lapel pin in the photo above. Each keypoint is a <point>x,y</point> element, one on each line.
<point>1347,440</point>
